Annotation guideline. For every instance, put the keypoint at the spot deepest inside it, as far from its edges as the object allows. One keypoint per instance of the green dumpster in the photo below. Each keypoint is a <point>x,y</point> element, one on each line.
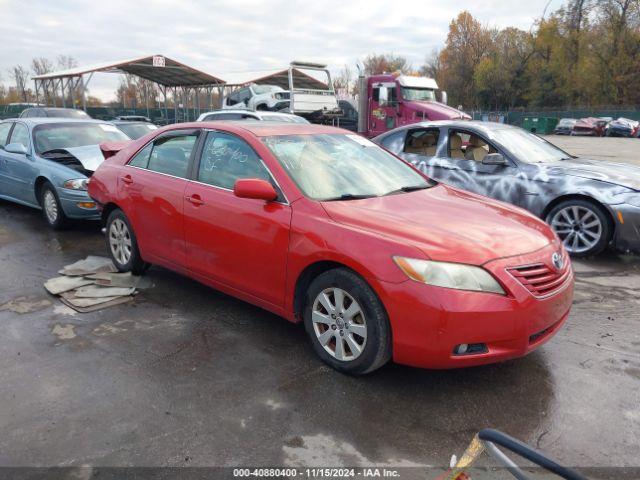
<point>541,125</point>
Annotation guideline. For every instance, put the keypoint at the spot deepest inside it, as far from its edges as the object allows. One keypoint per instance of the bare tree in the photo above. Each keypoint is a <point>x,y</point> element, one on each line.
<point>41,66</point>
<point>20,77</point>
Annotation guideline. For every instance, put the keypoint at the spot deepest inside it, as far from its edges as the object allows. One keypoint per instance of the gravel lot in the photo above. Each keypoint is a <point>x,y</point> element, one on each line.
<point>187,376</point>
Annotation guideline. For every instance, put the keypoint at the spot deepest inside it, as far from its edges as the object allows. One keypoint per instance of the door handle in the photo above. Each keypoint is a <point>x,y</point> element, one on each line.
<point>127,179</point>
<point>195,200</point>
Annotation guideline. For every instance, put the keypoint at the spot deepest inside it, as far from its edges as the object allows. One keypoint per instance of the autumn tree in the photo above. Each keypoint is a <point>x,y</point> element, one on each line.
<point>385,63</point>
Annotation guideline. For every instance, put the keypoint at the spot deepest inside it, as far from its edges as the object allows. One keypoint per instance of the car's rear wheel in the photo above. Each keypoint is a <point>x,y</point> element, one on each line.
<point>122,244</point>
<point>583,226</point>
<point>347,323</point>
<point>52,208</point>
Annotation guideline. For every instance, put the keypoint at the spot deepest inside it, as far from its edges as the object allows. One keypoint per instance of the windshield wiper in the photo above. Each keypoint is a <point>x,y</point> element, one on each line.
<point>410,188</point>
<point>348,196</point>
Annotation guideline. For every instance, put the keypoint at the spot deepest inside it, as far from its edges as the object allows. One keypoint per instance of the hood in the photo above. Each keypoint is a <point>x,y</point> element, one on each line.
<point>90,156</point>
<point>436,110</point>
<point>621,174</point>
<point>447,224</point>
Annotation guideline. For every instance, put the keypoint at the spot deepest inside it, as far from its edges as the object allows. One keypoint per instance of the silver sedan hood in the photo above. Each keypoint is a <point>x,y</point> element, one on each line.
<point>621,174</point>
<point>90,156</point>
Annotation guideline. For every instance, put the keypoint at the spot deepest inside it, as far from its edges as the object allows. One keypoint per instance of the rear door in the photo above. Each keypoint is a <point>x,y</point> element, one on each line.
<point>239,242</point>
<point>154,183</point>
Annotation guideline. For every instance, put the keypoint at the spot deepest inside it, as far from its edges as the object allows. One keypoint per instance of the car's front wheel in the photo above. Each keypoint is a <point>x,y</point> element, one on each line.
<point>347,323</point>
<point>122,244</point>
<point>52,208</point>
<point>583,226</point>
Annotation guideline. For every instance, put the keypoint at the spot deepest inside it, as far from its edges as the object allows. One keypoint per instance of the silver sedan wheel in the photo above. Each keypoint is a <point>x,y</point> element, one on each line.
<point>339,324</point>
<point>50,205</point>
<point>120,241</point>
<point>579,228</point>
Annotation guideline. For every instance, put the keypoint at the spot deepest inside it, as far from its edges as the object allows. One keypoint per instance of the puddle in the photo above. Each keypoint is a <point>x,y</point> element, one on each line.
<point>23,305</point>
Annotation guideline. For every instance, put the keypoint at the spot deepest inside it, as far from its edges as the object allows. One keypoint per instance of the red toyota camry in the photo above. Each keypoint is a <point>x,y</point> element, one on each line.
<point>319,225</point>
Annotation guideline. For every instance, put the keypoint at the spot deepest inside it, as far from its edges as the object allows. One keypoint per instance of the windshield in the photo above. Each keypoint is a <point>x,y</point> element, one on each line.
<point>566,122</point>
<point>283,118</point>
<point>527,147</point>
<point>342,167</point>
<point>260,89</point>
<point>136,130</point>
<point>68,135</point>
<point>419,94</point>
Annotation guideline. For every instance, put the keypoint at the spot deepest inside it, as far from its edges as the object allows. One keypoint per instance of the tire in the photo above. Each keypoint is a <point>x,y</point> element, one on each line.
<point>364,334</point>
<point>584,227</point>
<point>263,107</point>
<point>122,244</point>
<point>52,211</point>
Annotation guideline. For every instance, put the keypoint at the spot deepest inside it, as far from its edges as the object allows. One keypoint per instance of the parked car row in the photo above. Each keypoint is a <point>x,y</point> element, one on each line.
<point>598,127</point>
<point>394,252</point>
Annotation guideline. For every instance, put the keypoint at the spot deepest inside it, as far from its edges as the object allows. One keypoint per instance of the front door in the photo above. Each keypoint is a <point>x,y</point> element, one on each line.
<point>239,242</point>
<point>383,108</point>
<point>20,169</point>
<point>154,185</point>
<point>5,128</point>
<point>465,151</point>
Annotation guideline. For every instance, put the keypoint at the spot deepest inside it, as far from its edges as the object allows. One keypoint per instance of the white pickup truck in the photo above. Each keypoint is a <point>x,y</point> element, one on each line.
<point>258,97</point>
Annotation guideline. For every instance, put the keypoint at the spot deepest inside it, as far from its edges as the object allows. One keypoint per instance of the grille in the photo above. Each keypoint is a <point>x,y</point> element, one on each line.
<point>540,279</point>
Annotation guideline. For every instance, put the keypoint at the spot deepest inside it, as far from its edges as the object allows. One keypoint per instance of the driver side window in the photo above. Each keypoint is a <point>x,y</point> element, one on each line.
<point>227,158</point>
<point>422,142</point>
<point>20,134</point>
<point>468,146</point>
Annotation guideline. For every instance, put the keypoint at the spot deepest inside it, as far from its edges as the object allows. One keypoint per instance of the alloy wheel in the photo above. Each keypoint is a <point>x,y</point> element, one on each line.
<point>339,324</point>
<point>120,241</point>
<point>50,205</point>
<point>579,228</point>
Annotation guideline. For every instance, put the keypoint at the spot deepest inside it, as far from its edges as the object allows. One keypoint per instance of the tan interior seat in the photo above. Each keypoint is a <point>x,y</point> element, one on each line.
<point>430,144</point>
<point>455,146</point>
<point>476,150</point>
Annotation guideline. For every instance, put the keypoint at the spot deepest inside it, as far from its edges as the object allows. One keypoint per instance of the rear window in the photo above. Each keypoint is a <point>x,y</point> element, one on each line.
<point>69,135</point>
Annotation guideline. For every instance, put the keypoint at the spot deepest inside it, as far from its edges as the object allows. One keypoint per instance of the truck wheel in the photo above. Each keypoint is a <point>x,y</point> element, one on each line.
<point>347,323</point>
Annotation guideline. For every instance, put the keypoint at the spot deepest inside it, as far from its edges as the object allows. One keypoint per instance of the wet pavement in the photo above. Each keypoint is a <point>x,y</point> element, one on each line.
<point>613,149</point>
<point>187,376</point>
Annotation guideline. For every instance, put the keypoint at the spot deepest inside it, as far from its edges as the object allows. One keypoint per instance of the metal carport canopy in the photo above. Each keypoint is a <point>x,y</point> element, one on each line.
<point>156,68</point>
<point>279,78</point>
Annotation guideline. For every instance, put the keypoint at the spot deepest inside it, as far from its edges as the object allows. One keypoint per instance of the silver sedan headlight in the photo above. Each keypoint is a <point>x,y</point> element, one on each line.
<point>449,275</point>
<point>77,184</point>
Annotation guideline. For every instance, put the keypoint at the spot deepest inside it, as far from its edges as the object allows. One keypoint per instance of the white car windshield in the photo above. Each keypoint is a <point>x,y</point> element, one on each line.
<point>343,167</point>
<point>527,147</point>
<point>260,89</point>
<point>53,136</point>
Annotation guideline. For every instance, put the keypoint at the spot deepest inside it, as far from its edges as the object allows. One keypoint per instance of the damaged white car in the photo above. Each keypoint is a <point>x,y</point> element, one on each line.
<point>45,163</point>
<point>258,97</point>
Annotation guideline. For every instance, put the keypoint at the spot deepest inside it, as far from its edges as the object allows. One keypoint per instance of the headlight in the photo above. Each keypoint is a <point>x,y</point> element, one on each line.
<point>77,184</point>
<point>449,275</point>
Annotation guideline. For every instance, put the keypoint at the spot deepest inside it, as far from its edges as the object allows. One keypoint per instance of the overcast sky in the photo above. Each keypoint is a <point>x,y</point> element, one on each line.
<point>220,36</point>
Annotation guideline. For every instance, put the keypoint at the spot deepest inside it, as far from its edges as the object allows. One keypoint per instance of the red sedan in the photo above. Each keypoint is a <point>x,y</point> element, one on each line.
<point>319,225</point>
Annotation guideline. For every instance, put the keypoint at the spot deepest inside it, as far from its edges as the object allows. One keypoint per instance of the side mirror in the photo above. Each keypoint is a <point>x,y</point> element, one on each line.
<point>18,148</point>
<point>494,159</point>
<point>255,188</point>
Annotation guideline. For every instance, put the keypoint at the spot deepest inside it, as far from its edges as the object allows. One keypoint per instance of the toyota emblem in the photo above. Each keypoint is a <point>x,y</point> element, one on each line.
<point>557,260</point>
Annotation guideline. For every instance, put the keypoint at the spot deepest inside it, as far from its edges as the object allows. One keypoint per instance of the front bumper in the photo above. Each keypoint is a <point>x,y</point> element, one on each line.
<point>70,200</point>
<point>627,228</point>
<point>428,322</point>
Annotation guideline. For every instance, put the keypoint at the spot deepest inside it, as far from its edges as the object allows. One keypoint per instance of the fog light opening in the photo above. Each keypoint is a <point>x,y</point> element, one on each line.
<point>469,348</point>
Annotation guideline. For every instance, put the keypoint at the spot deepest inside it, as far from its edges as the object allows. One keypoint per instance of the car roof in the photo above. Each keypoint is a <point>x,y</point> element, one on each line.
<point>130,122</point>
<point>261,129</point>
<point>250,112</point>
<point>45,120</point>
<point>484,127</point>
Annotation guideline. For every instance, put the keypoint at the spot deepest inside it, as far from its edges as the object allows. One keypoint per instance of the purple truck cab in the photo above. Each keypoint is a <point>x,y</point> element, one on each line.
<point>395,100</point>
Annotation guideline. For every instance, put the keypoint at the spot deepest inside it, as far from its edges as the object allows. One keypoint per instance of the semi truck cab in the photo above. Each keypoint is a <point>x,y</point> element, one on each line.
<point>393,100</point>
